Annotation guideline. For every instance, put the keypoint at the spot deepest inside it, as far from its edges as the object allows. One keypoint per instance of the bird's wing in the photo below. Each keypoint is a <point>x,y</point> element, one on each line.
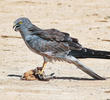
<point>57,36</point>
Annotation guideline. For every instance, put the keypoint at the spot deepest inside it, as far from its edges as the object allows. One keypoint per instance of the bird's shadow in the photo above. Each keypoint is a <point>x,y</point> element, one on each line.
<point>60,78</point>
<point>73,78</point>
<point>14,75</point>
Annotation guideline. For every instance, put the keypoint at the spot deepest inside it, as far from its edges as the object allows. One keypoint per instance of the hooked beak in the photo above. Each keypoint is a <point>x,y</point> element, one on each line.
<point>15,27</point>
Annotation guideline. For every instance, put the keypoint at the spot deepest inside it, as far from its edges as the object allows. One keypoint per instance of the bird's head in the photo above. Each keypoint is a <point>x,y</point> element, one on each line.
<point>22,22</point>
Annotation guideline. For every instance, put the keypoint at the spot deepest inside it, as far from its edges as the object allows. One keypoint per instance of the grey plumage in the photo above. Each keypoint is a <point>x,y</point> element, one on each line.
<point>51,44</point>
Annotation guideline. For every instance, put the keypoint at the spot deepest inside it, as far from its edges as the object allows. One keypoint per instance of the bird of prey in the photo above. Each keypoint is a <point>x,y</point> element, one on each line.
<point>53,44</point>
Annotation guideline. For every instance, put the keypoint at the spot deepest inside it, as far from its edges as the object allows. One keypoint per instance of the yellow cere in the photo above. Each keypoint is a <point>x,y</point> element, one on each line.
<point>20,22</point>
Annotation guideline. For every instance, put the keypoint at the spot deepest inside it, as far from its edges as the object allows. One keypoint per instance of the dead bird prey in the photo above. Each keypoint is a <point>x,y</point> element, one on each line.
<point>53,44</point>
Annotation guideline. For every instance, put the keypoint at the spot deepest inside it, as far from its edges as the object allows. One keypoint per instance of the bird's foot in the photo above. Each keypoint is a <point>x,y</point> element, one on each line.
<point>39,71</point>
<point>35,74</point>
<point>42,76</point>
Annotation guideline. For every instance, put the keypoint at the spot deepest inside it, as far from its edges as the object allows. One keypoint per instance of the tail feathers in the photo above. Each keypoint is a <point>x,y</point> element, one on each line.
<point>90,53</point>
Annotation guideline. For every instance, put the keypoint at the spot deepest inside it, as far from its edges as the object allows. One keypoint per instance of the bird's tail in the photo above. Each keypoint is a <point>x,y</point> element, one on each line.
<point>90,53</point>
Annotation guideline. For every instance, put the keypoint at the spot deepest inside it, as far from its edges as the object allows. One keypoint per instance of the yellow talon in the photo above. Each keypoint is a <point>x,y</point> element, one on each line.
<point>42,70</point>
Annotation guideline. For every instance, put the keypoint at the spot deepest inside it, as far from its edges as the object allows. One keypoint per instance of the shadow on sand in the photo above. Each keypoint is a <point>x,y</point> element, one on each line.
<point>60,78</point>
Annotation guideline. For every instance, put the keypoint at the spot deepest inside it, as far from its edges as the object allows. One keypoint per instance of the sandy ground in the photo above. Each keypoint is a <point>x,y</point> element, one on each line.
<point>87,20</point>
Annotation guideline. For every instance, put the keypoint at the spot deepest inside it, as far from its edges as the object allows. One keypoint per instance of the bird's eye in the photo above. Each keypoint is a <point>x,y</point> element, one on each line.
<point>20,22</point>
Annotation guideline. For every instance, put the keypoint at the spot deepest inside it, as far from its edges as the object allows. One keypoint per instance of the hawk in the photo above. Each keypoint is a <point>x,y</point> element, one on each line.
<point>54,45</point>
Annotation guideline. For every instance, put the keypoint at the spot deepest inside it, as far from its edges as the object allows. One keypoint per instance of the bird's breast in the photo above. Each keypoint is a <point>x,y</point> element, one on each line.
<point>35,43</point>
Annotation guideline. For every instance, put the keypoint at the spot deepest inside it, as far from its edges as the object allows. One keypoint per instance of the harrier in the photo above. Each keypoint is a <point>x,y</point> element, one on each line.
<point>54,45</point>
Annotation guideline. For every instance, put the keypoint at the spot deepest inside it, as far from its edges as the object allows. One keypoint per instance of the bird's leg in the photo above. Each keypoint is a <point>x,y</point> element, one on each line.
<point>39,72</point>
<point>41,75</point>
<point>41,69</point>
